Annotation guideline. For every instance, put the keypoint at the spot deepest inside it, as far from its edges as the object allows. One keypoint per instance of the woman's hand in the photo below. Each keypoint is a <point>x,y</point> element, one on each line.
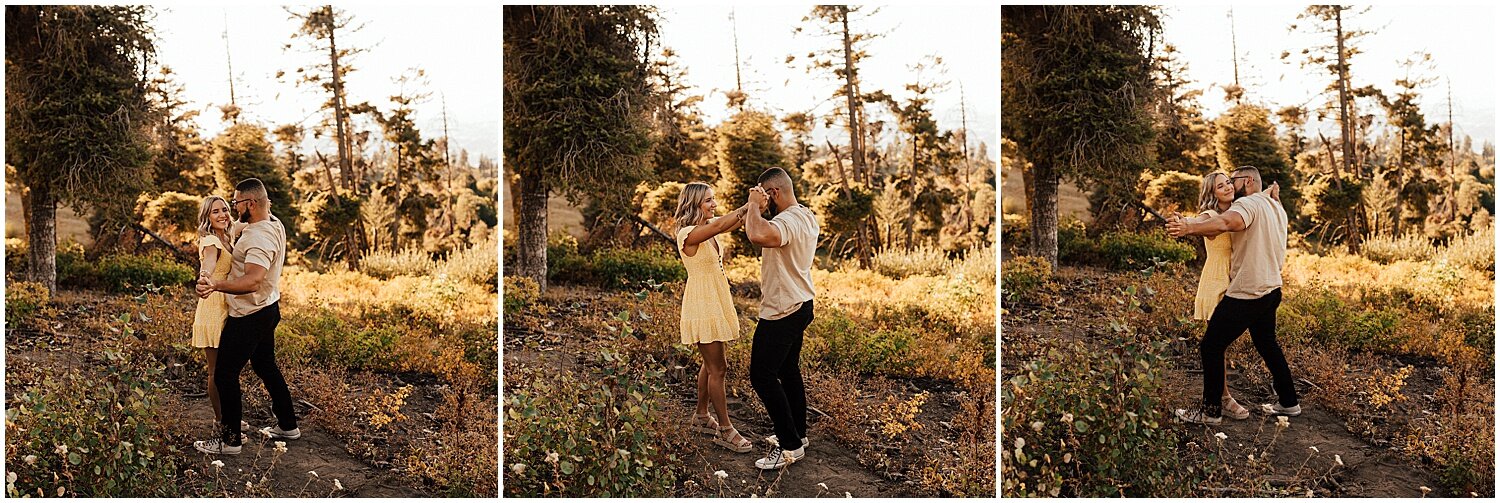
<point>1274,191</point>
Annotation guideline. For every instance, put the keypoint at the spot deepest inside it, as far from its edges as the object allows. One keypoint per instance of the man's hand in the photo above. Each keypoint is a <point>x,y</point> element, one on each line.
<point>759,198</point>
<point>205,287</point>
<point>1275,191</point>
<point>1176,227</point>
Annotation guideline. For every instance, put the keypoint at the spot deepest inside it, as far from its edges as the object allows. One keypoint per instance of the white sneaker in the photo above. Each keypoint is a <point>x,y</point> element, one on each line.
<point>1275,409</point>
<point>778,459</point>
<point>777,443</point>
<point>276,433</point>
<point>1196,416</point>
<point>215,447</point>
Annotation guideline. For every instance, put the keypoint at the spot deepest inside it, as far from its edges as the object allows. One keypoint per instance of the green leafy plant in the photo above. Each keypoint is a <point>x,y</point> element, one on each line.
<point>131,272</point>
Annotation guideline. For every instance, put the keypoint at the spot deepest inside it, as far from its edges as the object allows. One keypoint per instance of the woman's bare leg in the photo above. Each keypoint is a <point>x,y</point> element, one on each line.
<point>714,363</point>
<point>702,409</point>
<point>211,355</point>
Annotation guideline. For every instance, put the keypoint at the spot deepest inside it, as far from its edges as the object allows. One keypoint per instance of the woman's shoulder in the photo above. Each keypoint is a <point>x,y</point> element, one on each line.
<point>211,240</point>
<point>1208,213</point>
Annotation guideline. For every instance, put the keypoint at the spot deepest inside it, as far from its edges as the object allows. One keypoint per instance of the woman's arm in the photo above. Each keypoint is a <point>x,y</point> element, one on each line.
<point>713,228</point>
<point>208,257</point>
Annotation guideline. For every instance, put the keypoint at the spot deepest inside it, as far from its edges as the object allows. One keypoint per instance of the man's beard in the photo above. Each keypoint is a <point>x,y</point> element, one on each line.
<point>1241,192</point>
<point>771,207</point>
<point>244,217</point>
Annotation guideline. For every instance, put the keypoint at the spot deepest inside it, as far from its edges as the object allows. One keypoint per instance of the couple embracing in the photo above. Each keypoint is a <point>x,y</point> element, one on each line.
<point>239,293</point>
<point>788,242</point>
<point>1245,235</point>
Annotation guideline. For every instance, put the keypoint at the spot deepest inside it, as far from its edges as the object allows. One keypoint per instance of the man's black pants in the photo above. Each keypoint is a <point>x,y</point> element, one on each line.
<point>251,339</point>
<point>776,375</point>
<point>1230,319</point>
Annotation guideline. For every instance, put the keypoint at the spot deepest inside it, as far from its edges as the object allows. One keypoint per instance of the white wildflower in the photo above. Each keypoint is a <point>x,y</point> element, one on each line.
<point>313,473</point>
<point>1338,460</point>
<point>340,486</point>
<point>10,478</point>
<point>1313,447</point>
<point>61,450</point>
<point>1221,436</point>
<point>721,474</point>
<point>29,459</point>
<point>281,447</point>
<point>552,457</point>
<point>1283,422</point>
<point>1036,426</point>
<point>1020,443</point>
<point>847,495</point>
<point>1067,417</point>
<point>824,486</point>
<point>519,468</point>
<point>1425,490</point>
<point>217,464</point>
<point>247,485</point>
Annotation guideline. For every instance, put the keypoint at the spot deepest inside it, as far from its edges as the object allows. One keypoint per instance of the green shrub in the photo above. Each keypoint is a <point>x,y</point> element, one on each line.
<point>520,293</point>
<point>841,343</point>
<point>1320,314</point>
<point>1174,191</point>
<point>326,336</point>
<point>129,272</point>
<point>75,270</point>
<point>1074,244</point>
<point>623,267</point>
<point>585,438</point>
<point>563,259</point>
<point>1064,434</point>
<point>1386,248</point>
<point>174,215</point>
<point>1129,250</point>
<point>1015,232</point>
<point>389,264</point>
<point>97,435</point>
<point>22,299</point>
<point>1020,276</point>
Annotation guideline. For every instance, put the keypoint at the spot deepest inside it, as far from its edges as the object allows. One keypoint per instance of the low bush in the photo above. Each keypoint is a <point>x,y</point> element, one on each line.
<point>1020,276</point>
<point>923,260</point>
<point>1321,314</point>
<point>476,264</point>
<point>1387,248</point>
<point>1129,250</point>
<point>520,293</point>
<point>1065,434</point>
<point>838,342</point>
<point>129,272</point>
<point>389,264</point>
<point>1475,251</point>
<point>584,438</point>
<point>97,435</point>
<point>23,299</point>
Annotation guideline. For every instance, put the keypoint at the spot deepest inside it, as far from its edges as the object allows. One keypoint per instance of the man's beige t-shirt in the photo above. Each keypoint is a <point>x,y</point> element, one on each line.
<point>786,272</point>
<point>261,243</point>
<point>1259,250</point>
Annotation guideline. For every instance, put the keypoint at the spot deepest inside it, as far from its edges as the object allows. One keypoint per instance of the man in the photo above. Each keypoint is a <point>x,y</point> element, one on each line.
<point>253,292</point>
<point>1259,226</point>
<point>788,242</point>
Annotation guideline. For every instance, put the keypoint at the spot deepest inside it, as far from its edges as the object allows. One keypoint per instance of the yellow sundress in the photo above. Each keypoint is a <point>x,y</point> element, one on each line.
<point>1215,278</point>
<point>208,318</point>
<point>708,313</point>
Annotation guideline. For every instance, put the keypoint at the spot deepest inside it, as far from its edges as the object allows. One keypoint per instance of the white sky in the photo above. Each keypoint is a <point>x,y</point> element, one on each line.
<point>457,45</point>
<point>967,38</point>
<point>1461,40</point>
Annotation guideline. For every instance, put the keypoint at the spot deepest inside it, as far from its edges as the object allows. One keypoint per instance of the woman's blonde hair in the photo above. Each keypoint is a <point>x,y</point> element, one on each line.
<point>689,205</point>
<point>205,227</point>
<point>1206,199</point>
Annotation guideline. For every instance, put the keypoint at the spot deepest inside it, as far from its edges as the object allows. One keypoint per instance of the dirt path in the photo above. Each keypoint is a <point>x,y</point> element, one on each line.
<point>71,343</point>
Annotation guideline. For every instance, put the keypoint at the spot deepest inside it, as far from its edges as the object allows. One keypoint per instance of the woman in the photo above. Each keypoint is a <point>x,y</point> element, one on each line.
<point>214,250</point>
<point>1214,198</point>
<point>708,316</point>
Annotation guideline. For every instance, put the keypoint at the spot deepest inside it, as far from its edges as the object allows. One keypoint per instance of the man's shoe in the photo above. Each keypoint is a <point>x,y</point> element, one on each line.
<point>1196,416</point>
<point>276,433</point>
<point>778,459</point>
<point>777,443</point>
<point>215,447</point>
<point>1275,409</point>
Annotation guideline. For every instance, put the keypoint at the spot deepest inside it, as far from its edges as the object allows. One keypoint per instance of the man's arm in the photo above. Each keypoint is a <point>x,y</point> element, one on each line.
<point>255,274</point>
<point>1229,221</point>
<point>757,228</point>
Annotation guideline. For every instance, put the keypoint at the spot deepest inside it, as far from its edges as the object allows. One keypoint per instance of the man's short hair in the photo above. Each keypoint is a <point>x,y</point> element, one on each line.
<point>1252,172</point>
<point>774,174</point>
<point>252,186</point>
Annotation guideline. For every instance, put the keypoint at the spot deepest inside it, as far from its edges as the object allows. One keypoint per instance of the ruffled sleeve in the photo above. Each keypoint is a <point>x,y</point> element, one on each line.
<point>211,240</point>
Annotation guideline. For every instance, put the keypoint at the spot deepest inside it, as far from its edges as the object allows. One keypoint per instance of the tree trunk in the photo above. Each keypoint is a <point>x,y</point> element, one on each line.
<point>1044,213</point>
<point>1343,83</point>
<point>41,234</point>
<point>346,166</point>
<point>531,224</point>
<point>856,139</point>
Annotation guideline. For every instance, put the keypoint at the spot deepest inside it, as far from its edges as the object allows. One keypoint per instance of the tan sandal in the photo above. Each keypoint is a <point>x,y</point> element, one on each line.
<point>705,424</point>
<point>733,441</point>
<point>1234,410</point>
